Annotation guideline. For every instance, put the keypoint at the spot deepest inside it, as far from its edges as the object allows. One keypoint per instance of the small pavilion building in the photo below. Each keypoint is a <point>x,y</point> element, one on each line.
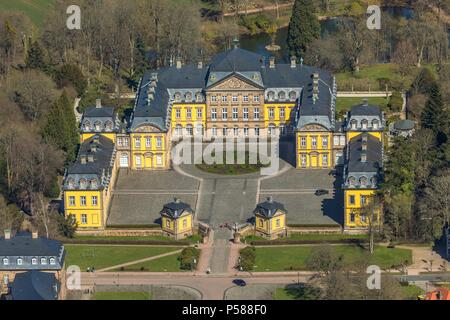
<point>177,219</point>
<point>270,219</point>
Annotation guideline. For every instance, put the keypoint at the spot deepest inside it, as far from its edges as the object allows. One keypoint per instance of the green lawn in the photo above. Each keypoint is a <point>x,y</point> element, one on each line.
<point>191,239</point>
<point>411,292</point>
<point>121,296</point>
<point>312,237</point>
<point>283,258</point>
<point>346,103</point>
<point>296,293</point>
<point>100,257</point>
<point>36,10</point>
<point>164,264</point>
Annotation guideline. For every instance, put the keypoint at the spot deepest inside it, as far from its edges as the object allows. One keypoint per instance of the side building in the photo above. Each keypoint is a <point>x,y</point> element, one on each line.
<point>364,125</point>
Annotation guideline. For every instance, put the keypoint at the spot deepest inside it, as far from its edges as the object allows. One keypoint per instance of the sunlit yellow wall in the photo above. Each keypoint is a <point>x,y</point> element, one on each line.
<point>282,218</point>
<point>313,161</point>
<point>352,134</point>
<point>167,224</point>
<point>355,208</point>
<point>183,120</point>
<point>269,226</point>
<point>148,155</point>
<point>188,219</point>
<point>261,224</point>
<point>277,120</point>
<point>94,213</point>
<point>176,225</point>
<point>85,136</point>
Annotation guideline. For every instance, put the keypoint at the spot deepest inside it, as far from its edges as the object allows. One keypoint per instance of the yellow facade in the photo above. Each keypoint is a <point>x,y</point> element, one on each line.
<point>273,113</point>
<point>149,151</point>
<point>352,134</point>
<point>86,207</point>
<point>314,149</point>
<point>178,227</point>
<point>85,136</point>
<point>354,201</point>
<point>270,227</point>
<point>192,114</point>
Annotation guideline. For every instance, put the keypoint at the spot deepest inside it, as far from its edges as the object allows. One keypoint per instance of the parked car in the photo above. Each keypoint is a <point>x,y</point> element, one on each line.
<point>321,192</point>
<point>239,282</point>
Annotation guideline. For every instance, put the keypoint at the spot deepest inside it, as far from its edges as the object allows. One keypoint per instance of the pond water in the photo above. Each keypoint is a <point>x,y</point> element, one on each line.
<point>258,42</point>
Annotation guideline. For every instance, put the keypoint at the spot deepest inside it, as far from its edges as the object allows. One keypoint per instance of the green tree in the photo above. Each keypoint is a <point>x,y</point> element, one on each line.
<point>303,28</point>
<point>35,57</point>
<point>70,74</point>
<point>434,116</point>
<point>70,127</point>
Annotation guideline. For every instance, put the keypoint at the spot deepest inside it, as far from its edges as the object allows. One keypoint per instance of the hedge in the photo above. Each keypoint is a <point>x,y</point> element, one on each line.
<point>314,226</point>
<point>284,242</point>
<point>128,242</point>
<point>247,258</point>
<point>134,226</point>
<point>188,258</point>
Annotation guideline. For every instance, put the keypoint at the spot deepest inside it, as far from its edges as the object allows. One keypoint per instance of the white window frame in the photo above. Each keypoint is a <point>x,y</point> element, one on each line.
<point>94,201</point>
<point>159,142</point>
<point>83,201</point>
<point>224,113</point>
<point>148,142</point>
<point>256,113</point>
<point>235,114</point>
<point>245,113</point>
<point>71,201</point>
<point>83,218</point>
<point>137,142</point>
<point>213,114</point>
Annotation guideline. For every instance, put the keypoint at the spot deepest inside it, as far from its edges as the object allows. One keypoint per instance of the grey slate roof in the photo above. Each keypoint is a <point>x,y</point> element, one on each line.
<point>374,154</point>
<point>175,209</point>
<point>269,207</point>
<point>365,110</point>
<point>99,170</point>
<point>103,112</point>
<point>35,285</point>
<point>25,247</point>
<point>236,59</point>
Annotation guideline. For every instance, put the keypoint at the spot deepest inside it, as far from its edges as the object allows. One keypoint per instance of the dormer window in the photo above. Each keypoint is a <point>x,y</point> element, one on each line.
<point>43,261</point>
<point>363,181</point>
<point>71,183</point>
<point>109,125</point>
<point>353,124</point>
<point>94,184</point>
<point>373,181</point>
<point>364,124</point>
<point>271,96</point>
<point>188,96</point>
<point>19,261</point>
<point>98,126</point>
<point>282,95</point>
<point>375,124</point>
<point>177,97</point>
<point>52,261</point>
<point>292,95</point>
<point>351,181</point>
<point>5,261</point>
<point>198,97</point>
<point>87,126</point>
<point>83,183</point>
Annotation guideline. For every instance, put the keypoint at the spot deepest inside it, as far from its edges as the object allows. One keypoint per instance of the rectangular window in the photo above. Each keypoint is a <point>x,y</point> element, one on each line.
<point>278,223</point>
<point>159,160</point>
<point>303,160</point>
<point>224,98</point>
<point>168,223</point>
<point>261,223</point>
<point>324,142</point>
<point>199,113</point>
<point>120,142</point>
<point>255,98</point>
<point>363,218</point>
<point>225,131</point>
<point>245,98</point>
<point>84,219</point>
<point>282,113</point>
<point>271,113</point>
<point>214,132</point>
<point>314,142</point>
<point>148,142</point>
<point>303,142</point>
<point>235,99</point>
<point>236,131</point>
<point>94,201</point>
<point>71,201</point>
<point>352,217</point>
<point>213,114</point>
<point>224,113</point>
<point>256,113</point>
<point>158,142</point>
<point>256,131</point>
<point>336,140</point>
<point>325,160</point>
<point>83,201</point>
<point>125,142</point>
<point>282,129</point>
<point>213,98</point>
<point>137,142</point>
<point>245,113</point>
<point>137,161</point>
<point>342,140</point>
<point>188,113</point>
<point>184,223</point>
<point>178,113</point>
<point>351,199</point>
<point>363,200</point>
<point>235,113</point>
<point>246,132</point>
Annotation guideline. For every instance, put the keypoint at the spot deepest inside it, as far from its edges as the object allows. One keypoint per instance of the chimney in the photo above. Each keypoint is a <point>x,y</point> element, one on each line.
<point>96,139</point>
<point>200,65</point>
<point>176,200</point>
<point>83,159</point>
<point>98,103</point>
<point>270,199</point>
<point>272,62</point>
<point>93,148</point>
<point>364,147</point>
<point>365,102</point>
<point>154,76</point>
<point>7,233</point>
<point>315,86</point>
<point>34,234</point>
<point>363,157</point>
<point>293,62</point>
<point>178,63</point>
<point>364,138</point>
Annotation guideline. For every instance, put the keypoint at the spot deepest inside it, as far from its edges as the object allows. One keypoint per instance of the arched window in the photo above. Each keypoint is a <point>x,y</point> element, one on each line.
<point>353,124</point>
<point>374,181</point>
<point>351,181</point>
<point>97,126</point>
<point>271,130</point>
<point>179,130</point>
<point>375,124</point>
<point>5,261</point>
<point>177,96</point>
<point>271,95</point>
<point>364,124</point>
<point>199,129</point>
<point>292,95</point>
<point>198,97</point>
<point>19,261</point>
<point>124,160</point>
<point>363,181</point>
<point>34,261</point>
<point>83,183</point>
<point>281,95</point>
<point>52,261</point>
<point>87,125</point>
<point>109,125</point>
<point>71,183</point>
<point>188,96</point>
<point>189,130</point>
<point>44,261</point>
<point>94,184</point>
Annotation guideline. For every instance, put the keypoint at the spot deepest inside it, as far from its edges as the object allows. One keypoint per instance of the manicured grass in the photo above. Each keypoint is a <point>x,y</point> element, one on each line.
<point>164,264</point>
<point>312,237</point>
<point>346,103</point>
<point>191,239</point>
<point>36,10</point>
<point>234,168</point>
<point>121,296</point>
<point>296,293</point>
<point>100,257</point>
<point>284,258</point>
<point>410,292</point>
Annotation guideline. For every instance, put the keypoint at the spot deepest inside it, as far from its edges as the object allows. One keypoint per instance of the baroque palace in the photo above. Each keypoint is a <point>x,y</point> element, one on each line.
<point>239,94</point>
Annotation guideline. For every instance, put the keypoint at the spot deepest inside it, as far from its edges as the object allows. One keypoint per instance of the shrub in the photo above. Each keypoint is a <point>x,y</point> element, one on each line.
<point>188,258</point>
<point>248,257</point>
<point>70,74</point>
<point>395,102</point>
